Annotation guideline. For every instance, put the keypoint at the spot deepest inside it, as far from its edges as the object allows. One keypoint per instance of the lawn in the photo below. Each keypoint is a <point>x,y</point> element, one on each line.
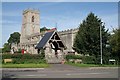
<point>25,65</point>
<point>90,65</point>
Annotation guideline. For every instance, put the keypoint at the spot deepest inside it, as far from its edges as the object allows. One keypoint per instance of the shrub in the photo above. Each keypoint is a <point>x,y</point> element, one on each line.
<point>21,56</point>
<point>88,59</point>
<point>85,59</point>
<point>73,57</point>
<point>6,56</point>
<point>26,58</point>
<point>28,61</point>
<point>19,51</point>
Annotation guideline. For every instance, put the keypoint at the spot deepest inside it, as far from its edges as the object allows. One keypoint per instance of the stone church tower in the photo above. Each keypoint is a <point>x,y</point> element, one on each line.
<point>30,31</point>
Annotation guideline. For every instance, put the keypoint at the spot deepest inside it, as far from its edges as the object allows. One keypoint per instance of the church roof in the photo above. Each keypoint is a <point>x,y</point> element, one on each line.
<point>49,36</point>
<point>44,40</point>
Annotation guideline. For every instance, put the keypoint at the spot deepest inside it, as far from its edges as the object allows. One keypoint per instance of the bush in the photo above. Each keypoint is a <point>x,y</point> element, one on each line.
<point>26,58</point>
<point>6,56</point>
<point>21,56</point>
<point>19,51</point>
<point>73,57</point>
<point>28,61</point>
<point>88,59</point>
<point>85,59</point>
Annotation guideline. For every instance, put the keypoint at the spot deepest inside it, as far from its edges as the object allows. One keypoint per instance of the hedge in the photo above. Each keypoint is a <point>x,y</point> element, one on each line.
<point>73,57</point>
<point>28,61</point>
<point>21,56</point>
<point>24,59</point>
<point>85,59</point>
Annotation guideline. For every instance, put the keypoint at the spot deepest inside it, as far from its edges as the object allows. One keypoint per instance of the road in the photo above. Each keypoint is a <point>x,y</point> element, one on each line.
<point>61,71</point>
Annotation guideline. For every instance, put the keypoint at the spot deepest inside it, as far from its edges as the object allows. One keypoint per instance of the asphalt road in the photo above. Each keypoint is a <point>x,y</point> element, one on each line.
<point>60,71</point>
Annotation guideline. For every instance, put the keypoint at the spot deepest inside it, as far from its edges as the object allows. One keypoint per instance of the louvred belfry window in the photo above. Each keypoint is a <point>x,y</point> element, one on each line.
<point>32,18</point>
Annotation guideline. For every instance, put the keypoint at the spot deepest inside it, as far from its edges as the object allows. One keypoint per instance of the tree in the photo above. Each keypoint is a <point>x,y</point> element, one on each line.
<point>6,48</point>
<point>14,38</point>
<point>115,44</point>
<point>87,40</point>
<point>43,29</point>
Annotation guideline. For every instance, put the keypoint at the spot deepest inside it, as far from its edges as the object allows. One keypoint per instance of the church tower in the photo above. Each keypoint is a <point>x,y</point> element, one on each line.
<point>30,31</point>
<point>30,24</point>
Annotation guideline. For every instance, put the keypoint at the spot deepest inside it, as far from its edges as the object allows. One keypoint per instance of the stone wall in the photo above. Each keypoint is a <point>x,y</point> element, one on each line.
<point>68,37</point>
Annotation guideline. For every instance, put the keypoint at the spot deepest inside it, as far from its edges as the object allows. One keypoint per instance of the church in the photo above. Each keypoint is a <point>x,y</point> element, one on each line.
<point>54,43</point>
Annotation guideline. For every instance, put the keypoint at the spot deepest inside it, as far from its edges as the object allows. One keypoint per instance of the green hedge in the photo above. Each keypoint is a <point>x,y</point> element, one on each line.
<point>85,59</point>
<point>28,61</point>
<point>73,57</point>
<point>24,59</point>
<point>88,59</point>
<point>21,56</point>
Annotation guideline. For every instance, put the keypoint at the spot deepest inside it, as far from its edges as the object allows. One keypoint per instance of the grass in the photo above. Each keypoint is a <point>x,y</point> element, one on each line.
<point>25,65</point>
<point>90,65</point>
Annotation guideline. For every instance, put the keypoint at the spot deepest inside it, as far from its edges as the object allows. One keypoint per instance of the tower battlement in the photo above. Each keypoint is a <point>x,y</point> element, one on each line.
<point>69,31</point>
<point>31,10</point>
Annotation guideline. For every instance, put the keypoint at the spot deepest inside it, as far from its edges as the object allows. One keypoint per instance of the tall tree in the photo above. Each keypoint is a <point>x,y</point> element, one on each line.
<point>115,44</point>
<point>87,40</point>
<point>14,38</point>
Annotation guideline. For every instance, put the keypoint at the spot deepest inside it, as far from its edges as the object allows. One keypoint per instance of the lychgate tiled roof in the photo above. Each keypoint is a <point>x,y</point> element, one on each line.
<point>44,40</point>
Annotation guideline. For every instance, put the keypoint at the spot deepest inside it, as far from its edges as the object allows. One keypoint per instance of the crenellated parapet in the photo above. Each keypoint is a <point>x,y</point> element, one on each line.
<point>31,10</point>
<point>69,31</point>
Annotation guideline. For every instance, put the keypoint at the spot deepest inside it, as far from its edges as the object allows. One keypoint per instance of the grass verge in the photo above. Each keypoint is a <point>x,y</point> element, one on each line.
<point>90,65</point>
<point>25,65</point>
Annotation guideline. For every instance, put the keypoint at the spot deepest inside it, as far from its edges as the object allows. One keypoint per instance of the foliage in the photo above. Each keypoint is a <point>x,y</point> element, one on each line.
<point>43,29</point>
<point>14,38</point>
<point>87,40</point>
<point>42,53</point>
<point>21,56</point>
<point>19,51</point>
<point>1,50</point>
<point>88,60</point>
<point>24,59</point>
<point>6,56</point>
<point>115,44</point>
<point>28,61</point>
<point>90,65</point>
<point>6,48</point>
<point>73,57</point>
<point>85,59</point>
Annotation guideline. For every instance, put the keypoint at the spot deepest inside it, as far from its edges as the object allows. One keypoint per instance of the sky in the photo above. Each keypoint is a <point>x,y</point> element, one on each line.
<point>67,15</point>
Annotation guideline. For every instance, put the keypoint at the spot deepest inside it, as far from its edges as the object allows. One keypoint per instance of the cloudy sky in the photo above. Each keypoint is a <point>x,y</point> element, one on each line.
<point>67,15</point>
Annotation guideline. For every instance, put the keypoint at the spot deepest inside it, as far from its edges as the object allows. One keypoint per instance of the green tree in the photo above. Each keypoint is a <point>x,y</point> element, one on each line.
<point>87,40</point>
<point>43,29</point>
<point>14,38</point>
<point>115,44</point>
<point>6,48</point>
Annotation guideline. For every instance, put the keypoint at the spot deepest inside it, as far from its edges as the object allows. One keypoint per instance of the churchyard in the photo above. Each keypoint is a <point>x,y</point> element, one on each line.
<point>18,60</point>
<point>89,45</point>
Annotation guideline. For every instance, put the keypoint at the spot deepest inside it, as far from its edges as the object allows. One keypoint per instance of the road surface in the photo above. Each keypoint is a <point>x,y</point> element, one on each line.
<point>61,71</point>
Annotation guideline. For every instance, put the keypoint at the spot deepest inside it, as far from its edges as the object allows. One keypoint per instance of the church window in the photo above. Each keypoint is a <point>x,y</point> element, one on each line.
<point>32,18</point>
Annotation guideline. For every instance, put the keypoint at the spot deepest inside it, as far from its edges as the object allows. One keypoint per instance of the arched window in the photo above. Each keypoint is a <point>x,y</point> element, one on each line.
<point>32,18</point>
